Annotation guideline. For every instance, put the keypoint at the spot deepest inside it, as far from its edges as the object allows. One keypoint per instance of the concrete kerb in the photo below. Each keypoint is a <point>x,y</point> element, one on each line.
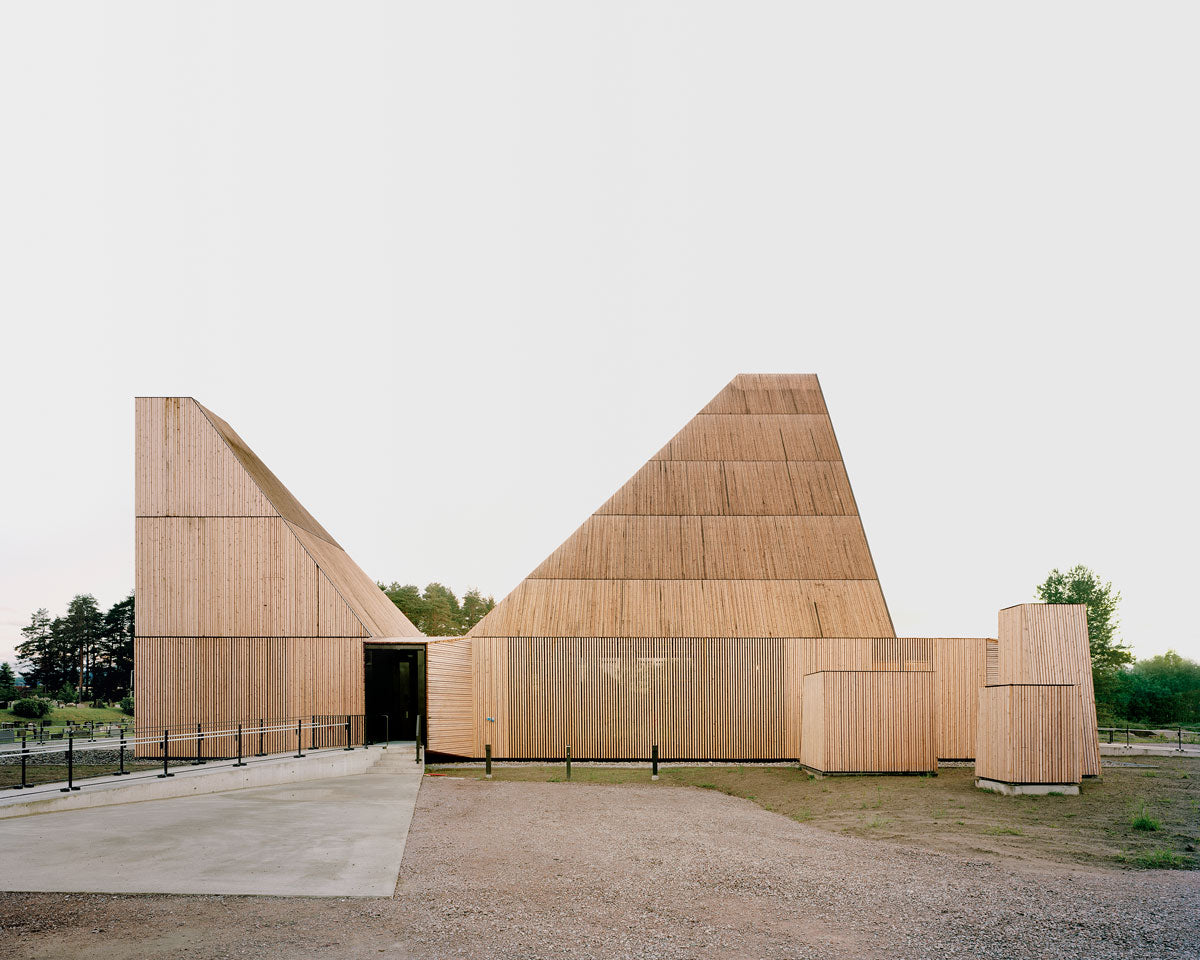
<point>189,782</point>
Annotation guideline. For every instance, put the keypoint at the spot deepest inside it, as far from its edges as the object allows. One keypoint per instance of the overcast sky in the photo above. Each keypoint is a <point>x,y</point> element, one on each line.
<point>455,271</point>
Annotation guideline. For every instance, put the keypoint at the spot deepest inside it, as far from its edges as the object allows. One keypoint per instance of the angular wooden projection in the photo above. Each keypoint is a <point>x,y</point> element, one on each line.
<point>1047,643</point>
<point>246,607</point>
<point>743,525</point>
<point>1029,734</point>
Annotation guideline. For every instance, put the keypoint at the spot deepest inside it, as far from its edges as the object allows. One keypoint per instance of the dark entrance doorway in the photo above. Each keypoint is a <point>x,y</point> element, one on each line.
<point>394,688</point>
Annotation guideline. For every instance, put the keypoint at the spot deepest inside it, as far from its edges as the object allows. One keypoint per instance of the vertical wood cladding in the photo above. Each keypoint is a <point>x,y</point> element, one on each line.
<point>873,721</point>
<point>704,697</point>
<point>247,609</point>
<point>450,697</point>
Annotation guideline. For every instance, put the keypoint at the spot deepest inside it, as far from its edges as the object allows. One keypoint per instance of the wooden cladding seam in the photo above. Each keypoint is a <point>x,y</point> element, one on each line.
<point>769,393</point>
<point>718,436</point>
<point>688,608</point>
<point>713,548</point>
<point>735,488</point>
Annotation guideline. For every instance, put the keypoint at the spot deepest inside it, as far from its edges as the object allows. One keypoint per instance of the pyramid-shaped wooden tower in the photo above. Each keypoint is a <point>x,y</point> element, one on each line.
<point>246,607</point>
<point>743,525</point>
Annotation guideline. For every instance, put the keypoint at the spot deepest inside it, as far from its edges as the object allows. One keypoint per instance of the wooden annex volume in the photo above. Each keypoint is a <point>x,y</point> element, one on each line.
<point>247,608</point>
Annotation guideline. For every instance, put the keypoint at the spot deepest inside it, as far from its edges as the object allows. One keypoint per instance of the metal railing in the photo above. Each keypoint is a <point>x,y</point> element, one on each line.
<point>31,762</point>
<point>1139,736</point>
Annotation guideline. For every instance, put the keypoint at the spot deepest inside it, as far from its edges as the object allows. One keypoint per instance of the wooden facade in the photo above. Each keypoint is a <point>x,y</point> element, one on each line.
<point>1029,734</point>
<point>247,608</point>
<point>723,604</point>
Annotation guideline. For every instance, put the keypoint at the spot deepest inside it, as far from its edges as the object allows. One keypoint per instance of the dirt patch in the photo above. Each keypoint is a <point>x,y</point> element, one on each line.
<point>1105,824</point>
<point>542,870</point>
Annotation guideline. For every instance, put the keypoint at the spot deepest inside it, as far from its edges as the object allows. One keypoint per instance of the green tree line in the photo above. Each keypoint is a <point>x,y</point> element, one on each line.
<point>1159,691</point>
<point>85,654</point>
<point>436,611</point>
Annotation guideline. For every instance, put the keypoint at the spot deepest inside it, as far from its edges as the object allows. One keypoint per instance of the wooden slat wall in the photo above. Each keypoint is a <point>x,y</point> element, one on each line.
<point>959,675</point>
<point>449,696</point>
<point>870,722</point>
<point>1028,733</point>
<point>1048,643</point>
<point>612,698</point>
<point>181,681</point>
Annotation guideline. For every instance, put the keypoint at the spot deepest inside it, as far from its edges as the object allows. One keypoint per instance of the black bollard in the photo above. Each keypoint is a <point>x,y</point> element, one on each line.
<point>654,762</point>
<point>568,763</point>
<point>418,756</point>
<point>487,761</point>
<point>166,755</point>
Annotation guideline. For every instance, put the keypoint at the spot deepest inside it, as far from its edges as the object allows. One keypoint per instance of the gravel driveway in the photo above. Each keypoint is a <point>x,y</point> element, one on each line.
<point>539,870</point>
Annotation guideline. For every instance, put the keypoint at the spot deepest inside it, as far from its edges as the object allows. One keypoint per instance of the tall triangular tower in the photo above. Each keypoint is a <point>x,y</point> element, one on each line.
<point>743,525</point>
<point>245,606</point>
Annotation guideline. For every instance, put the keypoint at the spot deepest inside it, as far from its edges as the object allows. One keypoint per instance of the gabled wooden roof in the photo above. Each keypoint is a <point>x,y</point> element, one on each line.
<point>743,525</point>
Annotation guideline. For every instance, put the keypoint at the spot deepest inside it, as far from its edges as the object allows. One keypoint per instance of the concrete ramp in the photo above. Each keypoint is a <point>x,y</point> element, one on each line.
<point>335,837</point>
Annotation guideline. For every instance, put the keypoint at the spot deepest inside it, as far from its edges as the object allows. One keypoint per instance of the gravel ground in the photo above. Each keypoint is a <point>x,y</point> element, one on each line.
<point>543,870</point>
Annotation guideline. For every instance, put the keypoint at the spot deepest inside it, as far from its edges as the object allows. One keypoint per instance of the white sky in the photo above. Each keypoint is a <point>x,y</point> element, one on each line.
<point>456,270</point>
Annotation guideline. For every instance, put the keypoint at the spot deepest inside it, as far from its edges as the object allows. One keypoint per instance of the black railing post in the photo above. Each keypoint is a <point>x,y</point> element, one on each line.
<point>568,763</point>
<point>1181,739</point>
<point>70,764</point>
<point>24,755</point>
<point>348,747</point>
<point>1110,734</point>
<point>199,743</point>
<point>1126,736</point>
<point>121,771</point>
<point>487,761</point>
<point>166,749</point>
<point>299,742</point>
<point>418,756</point>
<point>654,762</point>
<point>239,759</point>
<point>312,735</point>
<point>261,738</point>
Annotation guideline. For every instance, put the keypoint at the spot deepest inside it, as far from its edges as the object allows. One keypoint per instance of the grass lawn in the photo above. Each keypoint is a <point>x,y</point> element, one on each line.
<point>72,715</point>
<point>1135,816</point>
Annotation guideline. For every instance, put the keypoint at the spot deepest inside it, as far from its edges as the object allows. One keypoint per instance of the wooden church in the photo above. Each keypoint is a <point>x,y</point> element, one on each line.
<point>723,604</point>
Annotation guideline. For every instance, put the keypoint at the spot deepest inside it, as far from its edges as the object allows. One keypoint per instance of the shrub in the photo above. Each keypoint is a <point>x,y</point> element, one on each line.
<point>67,694</point>
<point>1143,821</point>
<point>126,705</point>
<point>1161,859</point>
<point>31,707</point>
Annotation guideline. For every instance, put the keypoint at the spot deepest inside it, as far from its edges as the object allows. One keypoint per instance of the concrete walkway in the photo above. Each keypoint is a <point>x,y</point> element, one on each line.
<point>337,837</point>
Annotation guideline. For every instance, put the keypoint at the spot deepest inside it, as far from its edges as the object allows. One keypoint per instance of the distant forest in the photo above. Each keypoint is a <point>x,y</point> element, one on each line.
<point>436,611</point>
<point>87,653</point>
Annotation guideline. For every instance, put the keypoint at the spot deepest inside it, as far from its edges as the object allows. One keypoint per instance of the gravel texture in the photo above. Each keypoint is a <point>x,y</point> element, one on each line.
<point>542,870</point>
